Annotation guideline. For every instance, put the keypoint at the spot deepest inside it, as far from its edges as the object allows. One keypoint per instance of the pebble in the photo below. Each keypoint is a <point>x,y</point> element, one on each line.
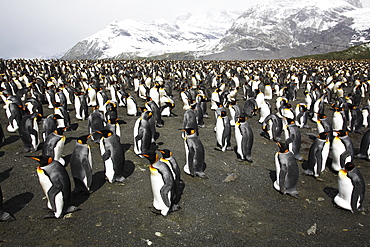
<point>312,229</point>
<point>231,177</point>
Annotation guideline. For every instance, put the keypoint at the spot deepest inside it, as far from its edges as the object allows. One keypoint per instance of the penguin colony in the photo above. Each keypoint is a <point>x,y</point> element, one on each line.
<point>336,98</point>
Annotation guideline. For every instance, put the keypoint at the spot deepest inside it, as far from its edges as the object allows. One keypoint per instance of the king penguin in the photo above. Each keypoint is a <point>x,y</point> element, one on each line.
<point>29,131</point>
<point>364,147</point>
<point>81,165</point>
<point>318,155</point>
<point>81,107</point>
<point>342,150</point>
<point>95,123</point>
<point>162,183</point>
<point>223,132</point>
<point>194,153</point>
<point>54,145</point>
<point>287,171</point>
<point>113,156</point>
<point>244,139</point>
<point>143,134</point>
<point>56,185</point>
<point>351,187</point>
<point>293,138</point>
<point>272,127</point>
<point>179,185</point>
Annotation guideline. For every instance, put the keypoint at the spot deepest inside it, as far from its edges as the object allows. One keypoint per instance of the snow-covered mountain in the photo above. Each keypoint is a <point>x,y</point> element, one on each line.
<point>131,38</point>
<point>277,29</point>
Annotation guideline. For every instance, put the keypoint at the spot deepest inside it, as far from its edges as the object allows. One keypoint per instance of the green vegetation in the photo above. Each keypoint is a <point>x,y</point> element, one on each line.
<point>356,52</point>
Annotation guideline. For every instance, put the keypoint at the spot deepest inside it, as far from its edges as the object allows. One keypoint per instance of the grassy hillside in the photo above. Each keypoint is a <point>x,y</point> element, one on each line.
<point>356,52</point>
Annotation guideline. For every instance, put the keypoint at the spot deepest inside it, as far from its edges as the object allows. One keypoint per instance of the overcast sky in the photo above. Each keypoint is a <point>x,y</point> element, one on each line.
<point>34,28</point>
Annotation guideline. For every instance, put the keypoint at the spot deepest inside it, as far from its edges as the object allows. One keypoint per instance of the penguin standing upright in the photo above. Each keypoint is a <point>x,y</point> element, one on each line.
<point>235,111</point>
<point>355,119</point>
<point>244,139</point>
<point>154,108</point>
<point>272,127</point>
<point>351,187</point>
<point>113,156</point>
<point>110,111</point>
<point>56,185</point>
<point>301,113</point>
<point>143,134</point>
<point>339,120</point>
<point>223,132</point>
<point>65,120</point>
<point>287,171</point>
<point>162,183</point>
<point>179,184</point>
<point>190,120</point>
<point>318,155</point>
<point>81,108</point>
<point>293,138</point>
<point>364,147</point>
<point>194,153</point>
<point>342,150</point>
<point>54,145</point>
<point>81,165</point>
<point>29,131</point>
<point>95,123</point>
<point>113,126</point>
<point>131,105</point>
<point>14,114</point>
<point>33,106</point>
<point>265,110</point>
<point>49,124</point>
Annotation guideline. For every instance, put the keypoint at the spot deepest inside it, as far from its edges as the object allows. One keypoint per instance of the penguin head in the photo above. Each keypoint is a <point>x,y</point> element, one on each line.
<point>223,114</point>
<point>242,118</point>
<point>152,157</point>
<point>283,147</point>
<point>56,116</point>
<point>43,160</point>
<point>105,133</point>
<point>165,153</point>
<point>59,131</point>
<point>349,166</point>
<point>323,135</point>
<point>83,139</point>
<point>341,133</point>
<point>189,131</point>
<point>290,121</point>
<point>113,121</point>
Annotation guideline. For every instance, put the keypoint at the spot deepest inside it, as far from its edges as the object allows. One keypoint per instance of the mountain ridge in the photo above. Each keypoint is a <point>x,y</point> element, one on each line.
<point>274,30</point>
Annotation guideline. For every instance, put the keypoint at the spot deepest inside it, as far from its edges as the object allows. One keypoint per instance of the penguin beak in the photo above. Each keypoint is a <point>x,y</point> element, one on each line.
<point>34,158</point>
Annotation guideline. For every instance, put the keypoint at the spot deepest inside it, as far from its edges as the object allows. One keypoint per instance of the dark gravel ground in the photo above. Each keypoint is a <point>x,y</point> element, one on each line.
<point>245,211</point>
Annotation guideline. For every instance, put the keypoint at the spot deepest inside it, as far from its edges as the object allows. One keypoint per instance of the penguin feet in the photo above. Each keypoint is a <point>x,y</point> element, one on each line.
<point>249,160</point>
<point>299,158</point>
<point>121,179</point>
<point>200,174</point>
<point>308,173</point>
<point>319,179</point>
<point>292,193</point>
<point>6,217</point>
<point>155,211</point>
<point>72,209</point>
<point>175,207</point>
